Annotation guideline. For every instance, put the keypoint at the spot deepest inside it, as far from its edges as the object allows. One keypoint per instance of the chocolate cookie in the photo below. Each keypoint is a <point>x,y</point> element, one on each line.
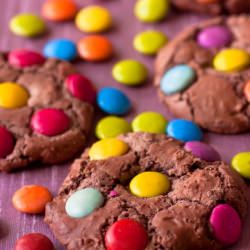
<point>45,110</point>
<point>203,74</point>
<point>214,7</point>
<point>167,197</point>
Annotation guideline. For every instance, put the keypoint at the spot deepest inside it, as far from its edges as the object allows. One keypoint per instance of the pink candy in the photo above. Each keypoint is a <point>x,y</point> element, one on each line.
<point>6,142</point>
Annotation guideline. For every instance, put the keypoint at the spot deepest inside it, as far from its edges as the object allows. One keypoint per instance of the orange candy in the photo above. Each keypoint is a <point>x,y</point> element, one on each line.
<point>31,199</point>
<point>95,48</point>
<point>59,10</point>
<point>207,1</point>
<point>247,90</point>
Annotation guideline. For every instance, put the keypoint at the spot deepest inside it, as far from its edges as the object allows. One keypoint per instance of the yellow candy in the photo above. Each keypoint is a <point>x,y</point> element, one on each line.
<point>12,95</point>
<point>231,60</point>
<point>241,163</point>
<point>93,19</point>
<point>149,184</point>
<point>108,147</point>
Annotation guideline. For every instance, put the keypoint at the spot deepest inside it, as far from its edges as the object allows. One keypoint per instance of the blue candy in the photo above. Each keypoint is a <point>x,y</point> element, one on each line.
<point>113,101</point>
<point>184,130</point>
<point>177,79</point>
<point>63,49</point>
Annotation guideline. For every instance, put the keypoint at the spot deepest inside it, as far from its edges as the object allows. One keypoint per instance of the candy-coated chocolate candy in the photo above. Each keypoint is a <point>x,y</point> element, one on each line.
<point>203,151</point>
<point>151,122</point>
<point>247,91</point>
<point>63,49</point>
<point>113,101</point>
<point>231,60</point>
<point>151,10</point>
<point>12,95</point>
<point>149,42</point>
<point>184,130</point>
<point>83,202</point>
<point>27,25</point>
<point>207,1</point>
<point>225,224</point>
<point>31,199</point>
<point>111,126</point>
<point>130,72</point>
<point>50,122</point>
<point>149,184</point>
<point>177,79</point>
<point>59,10</point>
<point>215,37</point>
<point>34,241</point>
<point>108,147</point>
<point>126,234</point>
<point>6,142</point>
<point>25,58</point>
<point>93,19</point>
<point>81,88</point>
<point>241,163</point>
<point>95,48</point>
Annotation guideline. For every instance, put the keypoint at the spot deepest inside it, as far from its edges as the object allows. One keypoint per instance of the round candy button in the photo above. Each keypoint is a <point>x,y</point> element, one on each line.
<point>225,224</point>
<point>12,95</point>
<point>63,49</point>
<point>27,25</point>
<point>151,122</point>
<point>149,184</point>
<point>130,72</point>
<point>126,234</point>
<point>177,79</point>
<point>31,199</point>
<point>108,147</point>
<point>247,91</point>
<point>34,241</point>
<point>231,60</point>
<point>111,126</point>
<point>6,142</point>
<point>25,58</point>
<point>151,10</point>
<point>184,130</point>
<point>241,163</point>
<point>215,37</point>
<point>81,88</point>
<point>83,202</point>
<point>93,19</point>
<point>113,101</point>
<point>50,122</point>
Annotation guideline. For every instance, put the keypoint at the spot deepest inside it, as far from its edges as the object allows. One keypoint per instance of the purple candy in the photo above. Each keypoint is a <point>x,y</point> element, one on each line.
<point>202,151</point>
<point>215,37</point>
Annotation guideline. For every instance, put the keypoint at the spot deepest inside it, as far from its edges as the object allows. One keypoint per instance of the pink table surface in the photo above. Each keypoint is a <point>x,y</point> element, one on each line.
<point>14,224</point>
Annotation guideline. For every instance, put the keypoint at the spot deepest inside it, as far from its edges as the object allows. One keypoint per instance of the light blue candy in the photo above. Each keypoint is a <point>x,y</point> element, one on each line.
<point>113,101</point>
<point>177,79</point>
<point>83,202</point>
<point>63,49</point>
<point>184,130</point>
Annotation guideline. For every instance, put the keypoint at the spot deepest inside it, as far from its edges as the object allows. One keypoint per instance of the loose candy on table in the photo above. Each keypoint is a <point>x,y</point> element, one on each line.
<point>177,79</point>
<point>130,72</point>
<point>111,126</point>
<point>113,101</point>
<point>126,234</point>
<point>93,19</point>
<point>6,142</point>
<point>63,49</point>
<point>31,199</point>
<point>27,25</point>
<point>151,122</point>
<point>241,163</point>
<point>95,48</point>
<point>83,202</point>
<point>184,130</point>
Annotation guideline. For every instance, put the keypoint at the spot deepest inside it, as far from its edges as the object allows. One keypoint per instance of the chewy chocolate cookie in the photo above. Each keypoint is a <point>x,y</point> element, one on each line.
<point>203,74</point>
<point>152,194</point>
<point>45,110</point>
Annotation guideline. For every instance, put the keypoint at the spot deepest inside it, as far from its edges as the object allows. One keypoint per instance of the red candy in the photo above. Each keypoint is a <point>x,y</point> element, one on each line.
<point>126,234</point>
<point>34,241</point>
<point>25,58</point>
<point>81,88</point>
<point>50,122</point>
<point>6,142</point>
